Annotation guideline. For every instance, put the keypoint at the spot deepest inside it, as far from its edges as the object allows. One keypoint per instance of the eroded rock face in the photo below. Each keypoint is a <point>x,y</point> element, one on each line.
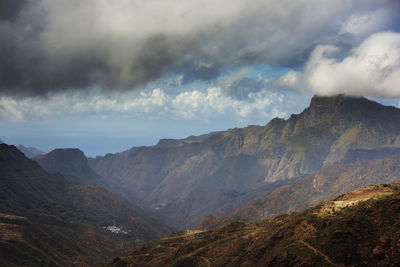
<point>329,181</point>
<point>361,154</point>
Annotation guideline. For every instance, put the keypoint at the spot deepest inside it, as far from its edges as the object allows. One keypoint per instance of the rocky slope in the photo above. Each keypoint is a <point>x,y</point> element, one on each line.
<point>46,219</point>
<point>361,228</point>
<point>329,181</point>
<point>185,181</point>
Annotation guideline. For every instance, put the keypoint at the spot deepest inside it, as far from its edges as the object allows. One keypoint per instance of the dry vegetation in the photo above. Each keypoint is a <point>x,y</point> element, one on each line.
<point>365,233</point>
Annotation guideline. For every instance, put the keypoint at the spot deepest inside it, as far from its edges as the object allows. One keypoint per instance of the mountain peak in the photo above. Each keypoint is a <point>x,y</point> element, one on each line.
<point>74,154</point>
<point>63,160</point>
<point>349,108</point>
<point>331,103</point>
<point>72,164</point>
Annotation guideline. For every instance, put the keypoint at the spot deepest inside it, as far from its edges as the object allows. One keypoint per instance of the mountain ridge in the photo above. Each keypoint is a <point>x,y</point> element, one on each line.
<point>30,152</point>
<point>186,182</point>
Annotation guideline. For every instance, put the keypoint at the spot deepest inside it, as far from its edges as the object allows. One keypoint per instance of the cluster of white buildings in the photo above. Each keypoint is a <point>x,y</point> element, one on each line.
<point>115,230</point>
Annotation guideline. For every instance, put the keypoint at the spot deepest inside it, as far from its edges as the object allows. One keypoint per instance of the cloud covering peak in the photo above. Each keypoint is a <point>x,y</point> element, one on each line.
<point>371,68</point>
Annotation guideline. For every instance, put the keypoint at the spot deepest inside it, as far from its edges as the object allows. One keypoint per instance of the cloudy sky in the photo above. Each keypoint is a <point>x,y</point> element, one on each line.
<point>107,75</point>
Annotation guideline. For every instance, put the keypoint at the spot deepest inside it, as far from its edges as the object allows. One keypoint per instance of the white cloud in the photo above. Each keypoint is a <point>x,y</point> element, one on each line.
<point>370,69</point>
<point>10,110</point>
<point>189,105</point>
<point>363,24</point>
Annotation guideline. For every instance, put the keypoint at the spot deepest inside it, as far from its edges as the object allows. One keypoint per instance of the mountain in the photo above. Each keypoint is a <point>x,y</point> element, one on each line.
<point>360,228</point>
<point>71,163</point>
<point>329,181</point>
<point>188,140</point>
<point>74,166</point>
<point>29,152</point>
<point>185,181</point>
<point>45,219</point>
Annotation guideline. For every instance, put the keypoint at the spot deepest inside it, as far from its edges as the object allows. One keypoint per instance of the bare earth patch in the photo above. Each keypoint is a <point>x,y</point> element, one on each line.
<point>330,207</point>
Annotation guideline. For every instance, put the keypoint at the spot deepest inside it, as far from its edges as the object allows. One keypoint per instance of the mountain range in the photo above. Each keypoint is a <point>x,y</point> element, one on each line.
<point>185,181</point>
<point>62,208</point>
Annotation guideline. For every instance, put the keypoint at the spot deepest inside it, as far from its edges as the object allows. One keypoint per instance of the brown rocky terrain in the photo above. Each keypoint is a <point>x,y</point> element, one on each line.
<point>363,232</point>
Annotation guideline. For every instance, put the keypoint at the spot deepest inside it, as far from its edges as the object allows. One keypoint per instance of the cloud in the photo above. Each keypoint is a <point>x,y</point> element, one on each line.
<point>11,110</point>
<point>370,69</point>
<point>364,24</point>
<point>59,45</point>
<point>200,105</point>
<point>10,9</point>
<point>239,85</point>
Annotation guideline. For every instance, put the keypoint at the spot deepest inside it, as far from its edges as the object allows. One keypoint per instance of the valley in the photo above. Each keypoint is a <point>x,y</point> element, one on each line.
<point>362,233</point>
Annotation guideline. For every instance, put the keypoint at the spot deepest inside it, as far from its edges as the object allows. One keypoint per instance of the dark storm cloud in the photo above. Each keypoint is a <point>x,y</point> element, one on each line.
<point>10,9</point>
<point>240,89</point>
<point>56,45</point>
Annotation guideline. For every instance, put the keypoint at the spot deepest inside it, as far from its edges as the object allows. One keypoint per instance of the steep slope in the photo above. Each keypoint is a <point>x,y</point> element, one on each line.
<point>47,220</point>
<point>30,152</point>
<point>329,181</point>
<point>361,228</point>
<point>189,180</point>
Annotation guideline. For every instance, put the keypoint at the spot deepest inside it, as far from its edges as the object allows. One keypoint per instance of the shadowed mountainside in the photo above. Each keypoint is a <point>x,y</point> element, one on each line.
<point>47,220</point>
<point>74,166</point>
<point>361,228</point>
<point>329,181</point>
<point>185,181</point>
<point>71,163</point>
